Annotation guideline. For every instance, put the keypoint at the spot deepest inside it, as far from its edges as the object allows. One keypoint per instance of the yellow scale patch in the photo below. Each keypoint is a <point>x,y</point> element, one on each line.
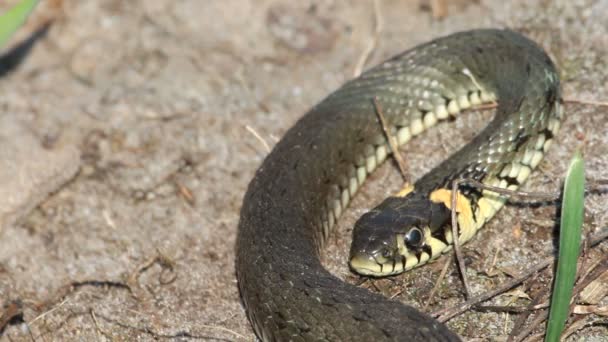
<point>407,188</point>
<point>437,246</point>
<point>487,206</point>
<point>411,260</point>
<point>467,224</point>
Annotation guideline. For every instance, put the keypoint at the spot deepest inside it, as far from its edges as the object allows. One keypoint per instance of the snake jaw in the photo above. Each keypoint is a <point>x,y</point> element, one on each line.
<point>369,265</point>
<point>373,259</point>
<point>375,250</point>
<point>381,256</point>
<point>405,226</point>
<point>365,264</point>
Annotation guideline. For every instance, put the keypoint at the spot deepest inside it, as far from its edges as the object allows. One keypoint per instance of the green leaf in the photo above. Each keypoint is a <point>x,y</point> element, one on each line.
<point>569,247</point>
<point>14,18</point>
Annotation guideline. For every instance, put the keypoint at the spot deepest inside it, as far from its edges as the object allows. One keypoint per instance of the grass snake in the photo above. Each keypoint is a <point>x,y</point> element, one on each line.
<point>308,179</point>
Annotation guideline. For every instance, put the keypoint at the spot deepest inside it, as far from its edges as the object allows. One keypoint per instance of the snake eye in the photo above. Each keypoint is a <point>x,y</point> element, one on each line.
<point>414,237</point>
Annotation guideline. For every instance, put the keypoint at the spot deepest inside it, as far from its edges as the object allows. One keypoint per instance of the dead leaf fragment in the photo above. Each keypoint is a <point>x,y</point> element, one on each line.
<point>596,290</point>
<point>590,309</point>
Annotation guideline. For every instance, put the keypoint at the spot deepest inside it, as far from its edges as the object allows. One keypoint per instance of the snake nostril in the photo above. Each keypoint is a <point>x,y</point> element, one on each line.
<point>386,253</point>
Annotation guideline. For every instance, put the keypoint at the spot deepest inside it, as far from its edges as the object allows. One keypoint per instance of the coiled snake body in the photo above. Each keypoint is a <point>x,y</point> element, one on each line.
<point>310,176</point>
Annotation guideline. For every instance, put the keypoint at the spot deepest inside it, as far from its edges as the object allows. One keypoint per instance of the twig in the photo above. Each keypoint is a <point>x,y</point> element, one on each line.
<point>511,309</point>
<point>371,44</point>
<point>444,271</point>
<point>594,185</point>
<point>49,311</point>
<point>259,137</point>
<point>490,270</point>
<point>489,105</point>
<point>477,184</point>
<point>584,102</point>
<point>597,182</point>
<point>456,237</point>
<point>97,328</point>
<point>541,223</point>
<point>185,193</point>
<point>585,279</point>
<point>507,192</point>
<point>578,326</point>
<point>391,140</point>
<point>539,298</point>
<point>446,314</point>
<point>541,317</point>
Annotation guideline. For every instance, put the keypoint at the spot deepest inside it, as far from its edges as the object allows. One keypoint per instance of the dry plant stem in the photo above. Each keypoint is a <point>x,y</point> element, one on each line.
<point>585,277</point>
<point>589,275</point>
<point>48,311</point>
<point>510,309</point>
<point>593,272</point>
<point>536,337</point>
<point>485,106</point>
<point>578,325</point>
<point>511,193</point>
<point>446,314</point>
<point>391,140</point>
<point>584,102</point>
<point>456,237</point>
<point>477,184</point>
<point>541,298</point>
<point>597,182</point>
<point>97,328</point>
<point>444,271</point>
<point>258,137</point>
<point>397,293</point>
<point>372,43</point>
<point>540,318</point>
<point>596,186</point>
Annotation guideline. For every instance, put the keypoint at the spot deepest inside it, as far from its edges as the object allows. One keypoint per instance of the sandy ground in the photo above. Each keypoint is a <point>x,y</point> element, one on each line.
<point>137,117</point>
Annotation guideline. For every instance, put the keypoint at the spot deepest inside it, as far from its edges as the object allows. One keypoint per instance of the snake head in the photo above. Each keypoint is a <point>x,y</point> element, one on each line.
<point>397,236</point>
<point>382,243</point>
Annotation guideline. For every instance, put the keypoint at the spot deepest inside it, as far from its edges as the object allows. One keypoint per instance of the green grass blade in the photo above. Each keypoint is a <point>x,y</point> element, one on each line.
<point>569,247</point>
<point>14,18</point>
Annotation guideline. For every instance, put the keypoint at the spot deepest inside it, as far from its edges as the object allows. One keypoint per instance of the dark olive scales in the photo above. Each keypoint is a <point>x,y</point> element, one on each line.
<point>310,176</point>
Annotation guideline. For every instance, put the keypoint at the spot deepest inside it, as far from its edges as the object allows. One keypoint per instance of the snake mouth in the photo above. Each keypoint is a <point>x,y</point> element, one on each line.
<point>366,265</point>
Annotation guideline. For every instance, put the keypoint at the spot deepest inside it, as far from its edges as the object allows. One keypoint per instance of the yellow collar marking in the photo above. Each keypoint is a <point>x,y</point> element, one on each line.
<point>467,224</point>
<point>407,188</point>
